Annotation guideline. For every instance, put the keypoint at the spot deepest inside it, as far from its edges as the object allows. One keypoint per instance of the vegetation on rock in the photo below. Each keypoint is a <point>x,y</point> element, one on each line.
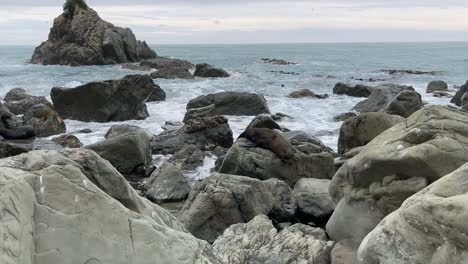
<point>71,5</point>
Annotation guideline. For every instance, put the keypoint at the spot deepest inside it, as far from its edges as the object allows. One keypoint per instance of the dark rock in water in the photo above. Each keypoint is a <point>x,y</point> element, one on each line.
<point>83,38</point>
<point>263,121</point>
<point>86,131</point>
<point>285,72</point>
<point>409,72</point>
<point>276,61</point>
<point>68,141</point>
<point>167,184</point>
<point>307,93</point>
<point>134,67</point>
<point>220,201</point>
<point>441,94</point>
<point>18,101</point>
<point>207,71</point>
<point>172,73</point>
<point>405,104</point>
<point>121,129</point>
<point>436,86</point>
<point>105,101</point>
<point>284,204</point>
<point>227,103</point>
<point>167,63</point>
<point>206,133</point>
<point>9,148</point>
<point>360,130</point>
<point>188,158</point>
<point>344,116</point>
<point>457,98</point>
<point>380,97</point>
<point>358,90</point>
<point>45,120</point>
<point>280,116</point>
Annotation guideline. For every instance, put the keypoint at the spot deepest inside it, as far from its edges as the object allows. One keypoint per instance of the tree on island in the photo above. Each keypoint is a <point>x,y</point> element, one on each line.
<point>70,6</point>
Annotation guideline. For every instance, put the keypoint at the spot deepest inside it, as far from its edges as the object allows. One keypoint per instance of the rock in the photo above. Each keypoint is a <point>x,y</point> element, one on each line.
<point>313,200</point>
<point>280,116</point>
<point>188,158</point>
<point>45,120</point>
<point>16,94</point>
<point>458,96</point>
<point>206,133</point>
<point>9,148</point>
<point>345,252</point>
<point>409,72</point>
<point>436,86</point>
<point>227,103</point>
<point>464,99</point>
<point>244,159</point>
<point>307,93</point>
<point>106,101</point>
<point>83,38</point>
<point>86,131</point>
<point>440,94</point>
<point>121,129</point>
<point>68,141</point>
<point>362,129</point>
<point>220,201</point>
<point>276,61</point>
<point>396,164</point>
<point>263,121</point>
<point>429,227</point>
<point>344,116</point>
<point>167,184</point>
<point>129,153</point>
<point>380,98</point>
<point>405,104</point>
<point>208,71</point>
<point>358,90</point>
<point>259,242</point>
<point>172,73</point>
<point>76,208</point>
<point>134,67</point>
<point>306,143</point>
<point>18,101</point>
<point>167,63</point>
<point>284,206</point>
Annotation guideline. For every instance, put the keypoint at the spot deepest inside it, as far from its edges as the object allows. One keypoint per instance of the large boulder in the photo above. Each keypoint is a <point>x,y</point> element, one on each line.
<point>172,73</point>
<point>457,98</point>
<point>105,101</point>
<point>161,63</point>
<point>396,164</point>
<point>306,93</point>
<point>129,153</point>
<point>45,120</point>
<point>263,121</point>
<point>358,90</point>
<point>313,199</point>
<point>188,158</point>
<point>405,104</point>
<point>18,101</point>
<point>228,103</point>
<point>245,159</point>
<point>207,71</point>
<point>206,133</point>
<point>430,227</point>
<point>10,148</point>
<point>306,143</point>
<point>167,184</point>
<point>260,242</point>
<point>285,204</point>
<point>436,86</point>
<point>360,130</point>
<point>380,97</point>
<point>222,200</point>
<point>68,141</point>
<point>83,38</point>
<point>345,252</point>
<point>76,208</point>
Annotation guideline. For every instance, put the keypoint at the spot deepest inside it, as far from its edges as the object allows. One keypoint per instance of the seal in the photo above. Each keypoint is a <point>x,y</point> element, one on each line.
<point>24,132</point>
<point>269,139</point>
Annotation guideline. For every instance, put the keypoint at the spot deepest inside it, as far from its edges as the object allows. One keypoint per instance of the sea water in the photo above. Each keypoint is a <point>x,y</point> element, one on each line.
<point>318,68</point>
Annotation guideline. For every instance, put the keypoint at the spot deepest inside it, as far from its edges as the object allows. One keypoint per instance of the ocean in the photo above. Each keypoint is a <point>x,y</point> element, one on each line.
<point>319,67</point>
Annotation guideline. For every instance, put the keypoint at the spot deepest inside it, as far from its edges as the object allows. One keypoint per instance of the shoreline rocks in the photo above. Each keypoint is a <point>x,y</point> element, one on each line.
<point>358,90</point>
<point>208,71</point>
<point>306,93</point>
<point>437,86</point>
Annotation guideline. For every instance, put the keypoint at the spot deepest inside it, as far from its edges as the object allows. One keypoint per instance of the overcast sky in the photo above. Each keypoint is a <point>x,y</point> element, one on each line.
<point>27,22</point>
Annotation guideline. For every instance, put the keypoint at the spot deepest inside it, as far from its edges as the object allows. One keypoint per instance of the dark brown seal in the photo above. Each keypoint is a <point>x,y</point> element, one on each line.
<point>25,132</point>
<point>269,139</point>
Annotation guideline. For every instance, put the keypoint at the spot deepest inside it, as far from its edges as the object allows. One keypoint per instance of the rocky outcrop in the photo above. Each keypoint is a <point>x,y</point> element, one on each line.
<point>105,101</point>
<point>167,184</point>
<point>429,227</point>
<point>205,133</point>
<point>68,141</point>
<point>360,130</point>
<point>358,90</point>
<point>10,148</point>
<point>162,63</point>
<point>45,121</point>
<point>227,103</point>
<point>259,242</point>
<point>436,86</point>
<point>263,121</point>
<point>276,61</point>
<point>243,158</point>
<point>396,164</point>
<point>405,104</point>
<point>380,97</point>
<point>188,158</point>
<point>121,129</point>
<point>457,98</point>
<point>220,201</point>
<point>345,252</point>
<point>76,208</point>
<point>18,101</point>
<point>207,71</point>
<point>83,38</point>
<point>172,73</point>
<point>306,143</point>
<point>344,116</point>
<point>284,201</point>
<point>313,199</point>
<point>306,93</point>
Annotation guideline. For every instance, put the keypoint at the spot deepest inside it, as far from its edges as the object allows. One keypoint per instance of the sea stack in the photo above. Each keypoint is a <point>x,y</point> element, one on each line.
<point>80,37</point>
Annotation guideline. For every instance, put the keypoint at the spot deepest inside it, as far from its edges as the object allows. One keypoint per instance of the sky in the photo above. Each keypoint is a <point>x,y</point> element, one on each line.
<point>27,22</point>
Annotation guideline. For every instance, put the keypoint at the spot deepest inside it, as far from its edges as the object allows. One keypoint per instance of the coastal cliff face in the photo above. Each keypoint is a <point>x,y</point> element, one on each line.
<point>86,39</point>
